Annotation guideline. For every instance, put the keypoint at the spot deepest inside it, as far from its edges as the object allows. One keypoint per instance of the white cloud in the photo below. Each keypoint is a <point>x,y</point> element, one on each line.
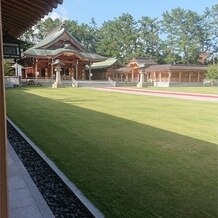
<point>60,13</point>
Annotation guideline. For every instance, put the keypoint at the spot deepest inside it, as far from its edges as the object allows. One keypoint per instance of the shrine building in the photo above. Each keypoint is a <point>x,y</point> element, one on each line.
<point>176,74</point>
<point>59,44</point>
<point>104,69</point>
<point>136,63</point>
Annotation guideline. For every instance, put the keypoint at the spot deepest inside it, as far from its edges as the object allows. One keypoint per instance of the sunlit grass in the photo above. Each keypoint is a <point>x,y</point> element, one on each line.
<point>132,156</point>
<point>202,90</point>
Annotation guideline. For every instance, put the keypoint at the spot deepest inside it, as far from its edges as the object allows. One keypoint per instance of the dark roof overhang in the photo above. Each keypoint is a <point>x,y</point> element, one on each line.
<point>20,15</point>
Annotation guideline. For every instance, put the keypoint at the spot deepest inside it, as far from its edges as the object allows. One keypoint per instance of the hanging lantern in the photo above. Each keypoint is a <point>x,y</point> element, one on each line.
<point>11,47</point>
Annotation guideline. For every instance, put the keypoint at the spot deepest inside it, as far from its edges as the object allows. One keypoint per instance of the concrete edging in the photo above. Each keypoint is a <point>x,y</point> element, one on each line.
<point>96,212</point>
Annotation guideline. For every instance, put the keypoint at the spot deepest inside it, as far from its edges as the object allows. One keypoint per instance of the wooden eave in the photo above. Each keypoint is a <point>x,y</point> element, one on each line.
<point>73,55</point>
<point>20,15</point>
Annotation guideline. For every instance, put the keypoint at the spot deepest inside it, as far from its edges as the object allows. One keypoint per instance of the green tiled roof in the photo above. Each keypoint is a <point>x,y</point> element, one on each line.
<point>49,38</point>
<point>42,48</point>
<point>53,53</point>
<point>103,64</point>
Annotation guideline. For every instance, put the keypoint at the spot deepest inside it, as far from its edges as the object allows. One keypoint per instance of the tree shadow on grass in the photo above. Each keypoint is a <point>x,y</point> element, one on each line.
<point>125,168</point>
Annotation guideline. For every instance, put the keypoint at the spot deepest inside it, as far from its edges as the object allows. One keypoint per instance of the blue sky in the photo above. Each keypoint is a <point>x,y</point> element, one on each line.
<point>104,10</point>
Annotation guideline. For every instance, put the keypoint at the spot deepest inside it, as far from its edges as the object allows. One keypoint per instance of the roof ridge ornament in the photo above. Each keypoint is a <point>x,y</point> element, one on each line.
<point>56,29</point>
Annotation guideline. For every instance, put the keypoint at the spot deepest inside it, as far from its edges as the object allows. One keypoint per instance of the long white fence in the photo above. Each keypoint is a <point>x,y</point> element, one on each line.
<point>11,82</point>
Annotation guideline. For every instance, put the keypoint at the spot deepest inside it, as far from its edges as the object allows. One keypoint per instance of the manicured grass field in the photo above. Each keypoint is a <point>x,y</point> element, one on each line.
<point>202,90</point>
<point>132,156</point>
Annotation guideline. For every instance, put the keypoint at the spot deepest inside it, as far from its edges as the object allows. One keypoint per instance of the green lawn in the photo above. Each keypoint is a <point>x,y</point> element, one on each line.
<point>132,156</point>
<point>202,90</point>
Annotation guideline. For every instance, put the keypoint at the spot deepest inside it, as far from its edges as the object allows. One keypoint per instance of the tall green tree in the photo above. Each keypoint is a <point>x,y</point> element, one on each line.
<point>214,25</point>
<point>208,36</point>
<point>82,32</point>
<point>148,41</point>
<point>118,38</point>
<point>94,36</point>
<point>182,29</point>
<point>45,26</point>
<point>169,53</point>
<point>108,44</point>
<point>212,72</point>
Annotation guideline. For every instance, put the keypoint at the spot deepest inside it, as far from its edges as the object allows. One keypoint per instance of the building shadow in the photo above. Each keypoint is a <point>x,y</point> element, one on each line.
<point>127,169</point>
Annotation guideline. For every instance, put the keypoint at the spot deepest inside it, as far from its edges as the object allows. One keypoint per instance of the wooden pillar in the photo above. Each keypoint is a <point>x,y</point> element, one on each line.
<point>180,77</point>
<point>198,77</point>
<point>33,69</point>
<point>47,69</point>
<point>70,72</point>
<point>160,76</point>
<point>146,79</point>
<point>46,73</point>
<point>190,76</point>
<point>90,71</point>
<point>155,78</point>
<point>36,68</point>
<point>77,62</point>
<point>132,74</point>
<point>3,136</point>
<point>51,70</point>
<point>169,76</point>
<point>121,77</point>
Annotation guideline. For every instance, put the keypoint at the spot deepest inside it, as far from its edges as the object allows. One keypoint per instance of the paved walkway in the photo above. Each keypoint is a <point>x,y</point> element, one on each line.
<point>167,94</point>
<point>25,201</point>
